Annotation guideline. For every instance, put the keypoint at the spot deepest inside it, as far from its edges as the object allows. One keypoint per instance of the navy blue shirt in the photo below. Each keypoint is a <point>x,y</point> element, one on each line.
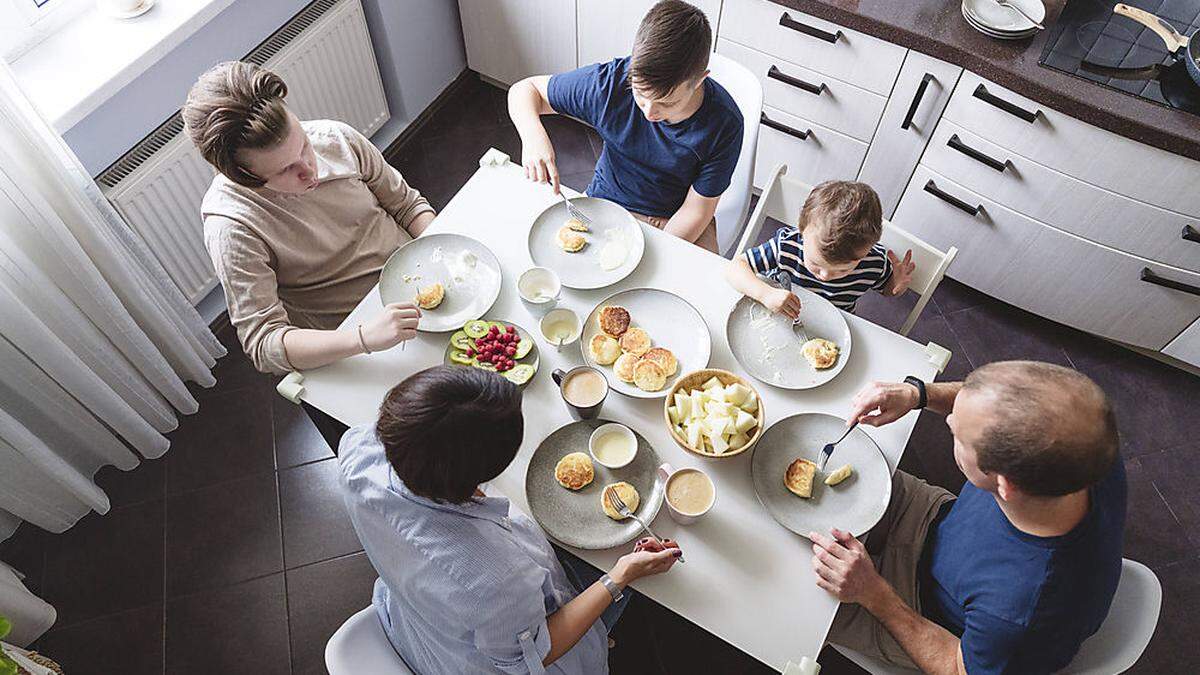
<point>645,166</point>
<point>1020,603</point>
<point>785,253</point>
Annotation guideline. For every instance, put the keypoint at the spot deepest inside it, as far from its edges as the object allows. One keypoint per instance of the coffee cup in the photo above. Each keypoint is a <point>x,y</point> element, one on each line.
<point>690,493</point>
<point>613,445</point>
<point>583,389</point>
<point>539,289</point>
<point>561,327</point>
<point>119,7</point>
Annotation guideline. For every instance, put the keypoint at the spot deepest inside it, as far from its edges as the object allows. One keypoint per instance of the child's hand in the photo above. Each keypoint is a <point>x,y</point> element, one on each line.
<point>901,272</point>
<point>782,301</point>
<point>537,156</point>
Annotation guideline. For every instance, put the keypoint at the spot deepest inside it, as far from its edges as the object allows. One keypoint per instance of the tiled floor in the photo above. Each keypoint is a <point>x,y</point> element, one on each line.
<point>232,554</point>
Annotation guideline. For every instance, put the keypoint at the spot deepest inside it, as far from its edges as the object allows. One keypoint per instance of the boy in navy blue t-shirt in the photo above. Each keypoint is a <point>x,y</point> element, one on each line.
<point>671,135</point>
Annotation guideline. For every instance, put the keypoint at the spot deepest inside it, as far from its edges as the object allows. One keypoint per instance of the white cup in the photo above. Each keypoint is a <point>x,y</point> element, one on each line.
<point>119,7</point>
<point>539,288</point>
<point>620,430</point>
<point>564,316</point>
<point>667,473</point>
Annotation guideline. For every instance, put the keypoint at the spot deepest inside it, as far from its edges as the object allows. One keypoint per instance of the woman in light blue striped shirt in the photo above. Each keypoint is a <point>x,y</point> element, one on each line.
<point>466,584</point>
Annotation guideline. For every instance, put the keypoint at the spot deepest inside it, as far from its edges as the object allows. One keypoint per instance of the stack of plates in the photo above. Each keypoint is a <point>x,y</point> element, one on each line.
<point>1003,23</point>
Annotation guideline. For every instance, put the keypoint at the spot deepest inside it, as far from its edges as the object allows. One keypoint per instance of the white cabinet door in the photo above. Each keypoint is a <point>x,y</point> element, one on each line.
<point>921,93</point>
<point>1186,347</point>
<point>813,153</point>
<point>509,40</point>
<point>606,27</point>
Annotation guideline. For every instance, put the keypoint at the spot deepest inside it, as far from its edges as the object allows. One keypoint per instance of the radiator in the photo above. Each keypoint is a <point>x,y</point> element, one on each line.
<point>324,54</point>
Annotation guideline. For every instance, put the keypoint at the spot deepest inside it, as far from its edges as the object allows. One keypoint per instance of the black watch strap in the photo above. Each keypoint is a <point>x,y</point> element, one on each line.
<point>922,397</point>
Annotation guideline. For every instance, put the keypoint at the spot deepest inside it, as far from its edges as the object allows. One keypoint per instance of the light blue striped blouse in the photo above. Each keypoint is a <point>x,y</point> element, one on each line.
<point>462,588</point>
<point>785,253</point>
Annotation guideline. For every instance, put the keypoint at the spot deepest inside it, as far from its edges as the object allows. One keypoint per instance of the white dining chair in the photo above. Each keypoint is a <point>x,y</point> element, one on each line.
<point>746,91</point>
<point>783,199</point>
<point>360,647</point>
<point>1112,650</point>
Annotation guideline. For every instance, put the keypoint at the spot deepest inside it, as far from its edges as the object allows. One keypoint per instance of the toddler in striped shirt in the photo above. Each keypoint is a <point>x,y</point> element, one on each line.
<point>834,251</point>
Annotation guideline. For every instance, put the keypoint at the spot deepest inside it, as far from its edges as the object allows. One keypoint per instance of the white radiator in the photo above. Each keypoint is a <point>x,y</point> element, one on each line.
<point>324,54</point>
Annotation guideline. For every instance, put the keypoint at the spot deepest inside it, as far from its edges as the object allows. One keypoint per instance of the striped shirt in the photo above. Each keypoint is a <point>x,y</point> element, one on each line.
<point>783,256</point>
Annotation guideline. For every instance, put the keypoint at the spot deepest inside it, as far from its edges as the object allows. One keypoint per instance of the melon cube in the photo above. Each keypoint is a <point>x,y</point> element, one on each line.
<point>745,421</point>
<point>673,413</point>
<point>719,444</point>
<point>736,393</point>
<point>693,436</point>
<point>738,440</point>
<point>712,383</point>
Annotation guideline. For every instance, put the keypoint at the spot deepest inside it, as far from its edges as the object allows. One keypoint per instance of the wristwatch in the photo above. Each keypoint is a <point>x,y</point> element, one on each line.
<point>613,589</point>
<point>922,397</point>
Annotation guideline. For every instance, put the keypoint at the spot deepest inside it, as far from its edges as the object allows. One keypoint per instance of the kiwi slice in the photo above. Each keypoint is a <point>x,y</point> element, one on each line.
<point>461,340</point>
<point>483,366</point>
<point>520,373</point>
<point>500,325</point>
<point>461,358</point>
<point>523,348</point>
<point>475,329</point>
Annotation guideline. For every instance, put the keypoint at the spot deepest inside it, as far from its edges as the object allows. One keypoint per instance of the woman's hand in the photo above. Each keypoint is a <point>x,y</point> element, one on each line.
<point>782,301</point>
<point>395,324</point>
<point>649,557</point>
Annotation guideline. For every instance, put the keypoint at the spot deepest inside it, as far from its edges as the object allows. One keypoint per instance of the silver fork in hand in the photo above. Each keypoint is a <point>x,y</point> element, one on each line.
<point>574,211</point>
<point>622,508</point>
<point>783,281</point>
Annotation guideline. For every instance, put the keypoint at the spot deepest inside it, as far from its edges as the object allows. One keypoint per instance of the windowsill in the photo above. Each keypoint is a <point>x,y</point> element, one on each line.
<point>74,71</point>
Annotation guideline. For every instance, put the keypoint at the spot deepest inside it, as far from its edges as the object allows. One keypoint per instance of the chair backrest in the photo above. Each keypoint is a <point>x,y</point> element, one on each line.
<point>746,91</point>
<point>360,647</point>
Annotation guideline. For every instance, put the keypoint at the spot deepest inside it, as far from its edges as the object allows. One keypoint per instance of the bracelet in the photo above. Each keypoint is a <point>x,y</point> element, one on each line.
<point>922,396</point>
<point>613,589</point>
<point>361,341</point>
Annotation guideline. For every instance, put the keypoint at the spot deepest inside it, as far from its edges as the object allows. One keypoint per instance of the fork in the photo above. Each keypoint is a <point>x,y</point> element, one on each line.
<point>574,211</point>
<point>622,508</point>
<point>828,449</point>
<point>784,282</point>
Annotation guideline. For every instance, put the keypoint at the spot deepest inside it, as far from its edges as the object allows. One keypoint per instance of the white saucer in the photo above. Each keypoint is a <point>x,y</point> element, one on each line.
<point>994,17</point>
<point>993,33</point>
<point>135,12</point>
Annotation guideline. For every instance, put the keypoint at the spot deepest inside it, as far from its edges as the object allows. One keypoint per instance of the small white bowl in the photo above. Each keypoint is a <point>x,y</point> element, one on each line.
<point>620,430</point>
<point>539,289</point>
<point>561,314</point>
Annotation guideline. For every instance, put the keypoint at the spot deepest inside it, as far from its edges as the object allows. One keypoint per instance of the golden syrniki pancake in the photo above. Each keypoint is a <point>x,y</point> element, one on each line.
<point>798,478</point>
<point>574,471</point>
<point>635,341</point>
<point>569,240</point>
<point>626,492</point>
<point>430,296</point>
<point>614,320</point>
<point>604,349</point>
<point>623,368</point>
<point>820,353</point>
<point>648,376</point>
<point>664,358</point>
<point>576,224</point>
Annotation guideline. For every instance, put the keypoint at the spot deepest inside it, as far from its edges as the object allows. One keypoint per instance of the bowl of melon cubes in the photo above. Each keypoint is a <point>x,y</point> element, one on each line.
<point>714,413</point>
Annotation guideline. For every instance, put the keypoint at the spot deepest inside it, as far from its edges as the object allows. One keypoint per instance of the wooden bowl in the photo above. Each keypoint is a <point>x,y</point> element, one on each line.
<point>693,380</point>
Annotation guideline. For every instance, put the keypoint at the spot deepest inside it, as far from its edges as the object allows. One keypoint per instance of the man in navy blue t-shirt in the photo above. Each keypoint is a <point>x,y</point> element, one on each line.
<point>1017,572</point>
<point>671,135</point>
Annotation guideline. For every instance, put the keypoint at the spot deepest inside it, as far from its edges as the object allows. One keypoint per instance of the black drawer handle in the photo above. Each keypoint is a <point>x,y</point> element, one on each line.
<point>983,94</point>
<point>950,199</point>
<point>788,22</point>
<point>777,74</point>
<point>976,155</point>
<point>916,102</point>
<point>1191,234</point>
<point>1149,276</point>
<point>802,135</point>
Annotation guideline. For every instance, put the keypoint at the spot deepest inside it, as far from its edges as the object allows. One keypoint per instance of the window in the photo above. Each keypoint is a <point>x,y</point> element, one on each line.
<point>24,23</point>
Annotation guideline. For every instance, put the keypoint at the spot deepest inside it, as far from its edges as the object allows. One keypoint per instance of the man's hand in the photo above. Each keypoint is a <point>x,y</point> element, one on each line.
<point>783,301</point>
<point>882,403</point>
<point>844,568</point>
<point>537,156</point>
<point>395,324</point>
<point>902,271</point>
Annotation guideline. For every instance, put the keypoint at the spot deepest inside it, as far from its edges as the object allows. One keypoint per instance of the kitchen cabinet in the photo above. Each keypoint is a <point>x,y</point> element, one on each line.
<point>509,40</point>
<point>812,152</point>
<point>1186,347</point>
<point>606,27</point>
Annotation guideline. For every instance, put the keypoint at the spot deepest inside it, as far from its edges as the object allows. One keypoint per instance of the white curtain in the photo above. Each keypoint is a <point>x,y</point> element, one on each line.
<point>95,341</point>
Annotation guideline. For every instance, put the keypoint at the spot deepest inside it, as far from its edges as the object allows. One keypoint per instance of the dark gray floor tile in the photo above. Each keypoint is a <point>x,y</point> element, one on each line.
<point>1174,648</point>
<point>237,629</point>
<point>1089,351</point>
<point>230,437</point>
<point>933,445</point>
<point>106,563</point>
<point>1152,533</point>
<point>448,161</point>
<point>297,440</point>
<point>1176,473</point>
<point>931,326</point>
<point>833,663</point>
<point>952,296</point>
<point>129,643</point>
<point>234,371</point>
<point>577,181</point>
<point>222,535</point>
<point>572,149</point>
<point>477,105</point>
<point>320,598</point>
<point>25,551</point>
<point>315,524</point>
<point>998,332</point>
<point>145,482</point>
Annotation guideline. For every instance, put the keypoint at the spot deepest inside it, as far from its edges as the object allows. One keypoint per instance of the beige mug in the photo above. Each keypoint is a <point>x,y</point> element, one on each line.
<point>687,488</point>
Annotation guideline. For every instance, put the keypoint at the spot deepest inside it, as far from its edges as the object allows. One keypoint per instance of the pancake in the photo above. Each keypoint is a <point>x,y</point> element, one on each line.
<point>799,478</point>
<point>574,471</point>
<point>430,296</point>
<point>627,493</point>
<point>664,358</point>
<point>820,353</point>
<point>648,376</point>
<point>623,368</point>
<point>614,320</point>
<point>575,224</point>
<point>569,240</point>
<point>604,349</point>
<point>635,341</point>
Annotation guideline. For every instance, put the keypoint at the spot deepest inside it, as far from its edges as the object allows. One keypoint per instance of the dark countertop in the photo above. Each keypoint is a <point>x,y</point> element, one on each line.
<point>936,28</point>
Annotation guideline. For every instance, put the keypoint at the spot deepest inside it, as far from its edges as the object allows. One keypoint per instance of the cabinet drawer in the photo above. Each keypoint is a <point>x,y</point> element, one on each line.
<point>921,93</point>
<point>1075,148</point>
<point>1186,347</point>
<point>823,155</point>
<point>1064,202</point>
<point>814,43</point>
<point>799,91</point>
<point>1046,271</point>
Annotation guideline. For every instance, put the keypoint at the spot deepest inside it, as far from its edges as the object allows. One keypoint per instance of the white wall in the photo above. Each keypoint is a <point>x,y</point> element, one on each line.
<point>418,44</point>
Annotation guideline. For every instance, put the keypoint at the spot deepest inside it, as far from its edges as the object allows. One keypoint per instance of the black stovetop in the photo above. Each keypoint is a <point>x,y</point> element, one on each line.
<point>1091,42</point>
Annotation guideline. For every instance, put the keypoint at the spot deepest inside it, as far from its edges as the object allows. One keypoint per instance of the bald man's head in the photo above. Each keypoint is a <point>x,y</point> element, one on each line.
<point>1051,430</point>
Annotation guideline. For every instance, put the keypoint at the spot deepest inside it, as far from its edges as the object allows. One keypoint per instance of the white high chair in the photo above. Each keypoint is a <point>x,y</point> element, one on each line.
<point>747,92</point>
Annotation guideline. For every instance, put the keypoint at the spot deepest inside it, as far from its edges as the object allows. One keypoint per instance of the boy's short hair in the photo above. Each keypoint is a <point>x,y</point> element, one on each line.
<point>845,217</point>
<point>236,106</point>
<point>447,429</point>
<point>671,47</point>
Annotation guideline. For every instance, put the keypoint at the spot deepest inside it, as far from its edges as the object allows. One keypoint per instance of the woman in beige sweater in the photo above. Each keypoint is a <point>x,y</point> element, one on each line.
<point>299,221</point>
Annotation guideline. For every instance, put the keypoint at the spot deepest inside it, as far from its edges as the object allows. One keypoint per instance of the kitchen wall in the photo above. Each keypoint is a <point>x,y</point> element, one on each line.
<point>418,44</point>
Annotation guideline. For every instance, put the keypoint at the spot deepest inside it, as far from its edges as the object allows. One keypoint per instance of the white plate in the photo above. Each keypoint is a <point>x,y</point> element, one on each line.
<point>672,323</point>
<point>854,505</point>
<point>765,345</point>
<point>999,35</point>
<point>992,15</point>
<point>610,223</point>
<point>471,285</point>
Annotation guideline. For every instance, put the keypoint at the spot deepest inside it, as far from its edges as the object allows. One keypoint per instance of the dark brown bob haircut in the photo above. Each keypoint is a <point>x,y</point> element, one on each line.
<point>671,47</point>
<point>447,429</point>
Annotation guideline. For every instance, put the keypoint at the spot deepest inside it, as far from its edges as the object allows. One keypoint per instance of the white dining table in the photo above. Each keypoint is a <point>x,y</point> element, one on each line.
<point>746,579</point>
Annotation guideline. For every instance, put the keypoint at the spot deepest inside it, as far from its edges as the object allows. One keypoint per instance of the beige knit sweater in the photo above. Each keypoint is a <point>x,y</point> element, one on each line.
<point>304,261</point>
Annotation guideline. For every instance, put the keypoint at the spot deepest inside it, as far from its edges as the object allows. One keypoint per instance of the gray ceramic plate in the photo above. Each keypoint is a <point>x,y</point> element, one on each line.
<point>466,268</point>
<point>765,345</point>
<point>611,225</point>
<point>854,505</point>
<point>576,518</point>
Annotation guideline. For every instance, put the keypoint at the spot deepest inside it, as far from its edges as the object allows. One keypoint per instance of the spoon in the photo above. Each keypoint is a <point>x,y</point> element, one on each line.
<point>1018,10</point>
